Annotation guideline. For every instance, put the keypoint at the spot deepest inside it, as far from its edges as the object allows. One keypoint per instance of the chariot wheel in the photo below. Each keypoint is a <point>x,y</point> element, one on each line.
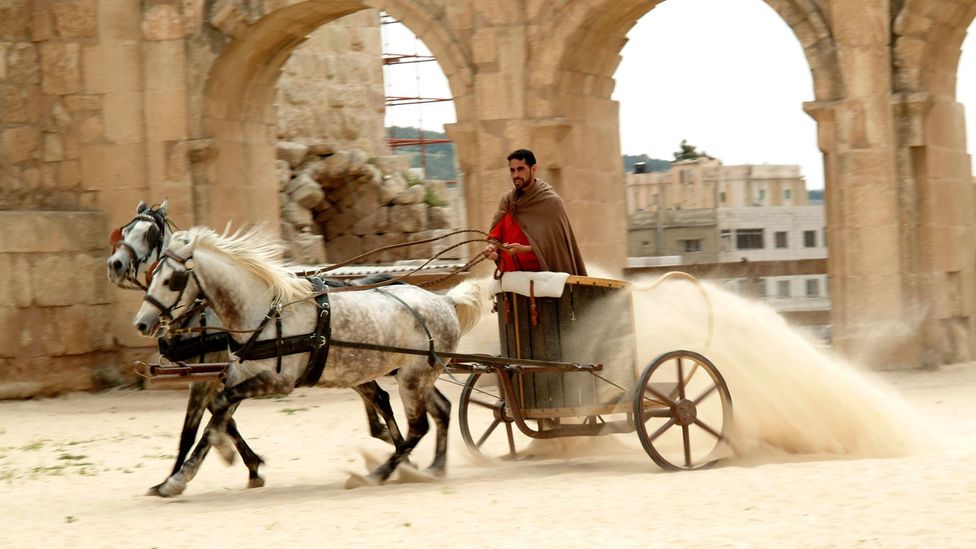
<point>486,421</point>
<point>683,411</point>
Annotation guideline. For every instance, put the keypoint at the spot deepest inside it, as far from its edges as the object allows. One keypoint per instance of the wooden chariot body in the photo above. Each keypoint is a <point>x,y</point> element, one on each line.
<point>590,322</point>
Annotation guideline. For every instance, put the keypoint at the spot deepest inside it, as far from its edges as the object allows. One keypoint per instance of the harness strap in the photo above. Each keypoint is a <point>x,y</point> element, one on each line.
<point>278,340</point>
<point>155,303</point>
<point>320,340</point>
<point>432,358</point>
<point>246,352</point>
<point>316,343</point>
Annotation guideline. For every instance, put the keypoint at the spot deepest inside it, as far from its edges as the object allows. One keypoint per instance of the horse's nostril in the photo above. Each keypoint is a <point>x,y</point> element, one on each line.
<point>142,327</point>
<point>117,264</point>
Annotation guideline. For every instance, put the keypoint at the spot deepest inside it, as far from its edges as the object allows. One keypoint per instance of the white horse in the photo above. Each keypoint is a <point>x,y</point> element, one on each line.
<point>137,246</point>
<point>264,305</point>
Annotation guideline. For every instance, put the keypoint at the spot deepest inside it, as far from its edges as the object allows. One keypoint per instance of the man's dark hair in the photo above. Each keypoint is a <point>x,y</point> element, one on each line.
<point>524,155</point>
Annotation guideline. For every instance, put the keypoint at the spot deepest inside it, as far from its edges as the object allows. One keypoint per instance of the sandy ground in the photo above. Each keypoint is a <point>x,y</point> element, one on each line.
<point>73,470</point>
<point>826,455</point>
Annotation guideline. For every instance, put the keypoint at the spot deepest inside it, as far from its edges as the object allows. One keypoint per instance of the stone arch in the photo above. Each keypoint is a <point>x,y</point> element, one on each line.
<point>234,148</point>
<point>934,171</point>
<point>597,32</point>
<point>928,37</point>
<point>572,121</point>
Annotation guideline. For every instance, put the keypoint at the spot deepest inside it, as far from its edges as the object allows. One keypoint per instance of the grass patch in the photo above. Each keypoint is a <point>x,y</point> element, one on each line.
<point>292,411</point>
<point>36,445</point>
<point>70,457</point>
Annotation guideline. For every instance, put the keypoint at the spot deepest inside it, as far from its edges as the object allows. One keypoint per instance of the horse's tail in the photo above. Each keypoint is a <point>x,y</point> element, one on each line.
<point>468,298</point>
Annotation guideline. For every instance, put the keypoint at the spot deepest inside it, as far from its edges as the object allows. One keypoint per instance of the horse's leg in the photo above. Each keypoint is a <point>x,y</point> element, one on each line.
<point>413,393</point>
<point>251,460</point>
<point>223,407</point>
<point>377,403</point>
<point>197,403</point>
<point>439,408</point>
<point>176,483</point>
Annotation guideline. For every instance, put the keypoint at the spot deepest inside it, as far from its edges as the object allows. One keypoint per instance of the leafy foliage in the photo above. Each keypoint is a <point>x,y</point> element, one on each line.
<point>439,156</point>
<point>689,152</point>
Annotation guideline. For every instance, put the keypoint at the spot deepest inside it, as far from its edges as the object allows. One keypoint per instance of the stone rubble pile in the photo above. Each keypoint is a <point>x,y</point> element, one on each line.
<point>337,204</point>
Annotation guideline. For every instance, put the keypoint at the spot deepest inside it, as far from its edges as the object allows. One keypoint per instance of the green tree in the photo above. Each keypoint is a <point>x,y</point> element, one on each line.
<point>689,152</point>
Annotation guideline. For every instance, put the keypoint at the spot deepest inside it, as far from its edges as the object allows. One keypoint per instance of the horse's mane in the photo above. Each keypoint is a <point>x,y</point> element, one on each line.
<point>255,251</point>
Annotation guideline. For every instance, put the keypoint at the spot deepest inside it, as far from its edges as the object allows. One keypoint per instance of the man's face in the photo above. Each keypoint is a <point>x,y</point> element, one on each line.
<point>522,174</point>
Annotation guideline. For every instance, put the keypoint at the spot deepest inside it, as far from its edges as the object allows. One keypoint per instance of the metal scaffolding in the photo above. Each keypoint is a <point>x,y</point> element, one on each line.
<point>395,59</point>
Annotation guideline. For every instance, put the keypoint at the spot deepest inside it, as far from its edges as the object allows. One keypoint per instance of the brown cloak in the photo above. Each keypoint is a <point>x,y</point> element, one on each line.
<point>541,214</point>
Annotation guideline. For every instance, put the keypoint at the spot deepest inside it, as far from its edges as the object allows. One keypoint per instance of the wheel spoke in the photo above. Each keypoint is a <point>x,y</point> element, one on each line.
<point>709,391</point>
<point>661,399</point>
<point>681,380</point>
<point>690,375</point>
<point>657,412</point>
<point>511,440</point>
<point>686,439</point>
<point>483,404</point>
<point>708,429</point>
<point>484,437</point>
<point>670,423</point>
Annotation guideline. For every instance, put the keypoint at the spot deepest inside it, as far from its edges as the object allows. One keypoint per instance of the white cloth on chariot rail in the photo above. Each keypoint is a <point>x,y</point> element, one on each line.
<point>546,283</point>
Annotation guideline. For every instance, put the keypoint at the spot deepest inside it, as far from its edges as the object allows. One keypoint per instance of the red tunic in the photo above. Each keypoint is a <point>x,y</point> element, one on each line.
<point>509,232</point>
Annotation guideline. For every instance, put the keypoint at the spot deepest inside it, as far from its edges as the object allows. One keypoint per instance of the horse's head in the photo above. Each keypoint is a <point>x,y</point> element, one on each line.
<point>172,290</point>
<point>138,244</point>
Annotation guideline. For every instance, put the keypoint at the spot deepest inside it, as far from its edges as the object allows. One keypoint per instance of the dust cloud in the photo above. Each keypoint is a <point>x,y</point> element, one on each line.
<point>790,396</point>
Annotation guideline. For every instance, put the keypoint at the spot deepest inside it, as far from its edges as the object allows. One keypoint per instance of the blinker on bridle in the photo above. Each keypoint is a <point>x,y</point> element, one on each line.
<point>177,282</point>
<point>154,239</point>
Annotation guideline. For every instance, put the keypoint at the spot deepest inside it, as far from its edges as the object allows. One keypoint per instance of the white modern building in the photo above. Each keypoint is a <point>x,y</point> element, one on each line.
<point>701,212</point>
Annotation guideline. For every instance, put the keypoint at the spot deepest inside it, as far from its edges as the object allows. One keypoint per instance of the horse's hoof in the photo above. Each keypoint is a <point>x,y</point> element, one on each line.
<point>436,472</point>
<point>358,481</point>
<point>169,488</point>
<point>256,482</point>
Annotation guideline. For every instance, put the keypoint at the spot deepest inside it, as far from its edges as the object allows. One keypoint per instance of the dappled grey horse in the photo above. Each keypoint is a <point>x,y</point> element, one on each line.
<point>266,306</point>
<point>137,246</point>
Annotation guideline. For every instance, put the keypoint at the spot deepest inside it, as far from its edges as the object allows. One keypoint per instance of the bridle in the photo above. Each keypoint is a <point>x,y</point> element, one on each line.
<point>177,283</point>
<point>154,237</point>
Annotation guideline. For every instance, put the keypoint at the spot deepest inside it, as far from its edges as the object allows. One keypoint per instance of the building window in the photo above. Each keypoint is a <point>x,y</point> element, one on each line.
<point>813,287</point>
<point>761,288</point>
<point>762,195</point>
<point>781,239</point>
<point>809,239</point>
<point>783,289</point>
<point>749,239</point>
<point>721,197</point>
<point>787,194</point>
<point>692,245</point>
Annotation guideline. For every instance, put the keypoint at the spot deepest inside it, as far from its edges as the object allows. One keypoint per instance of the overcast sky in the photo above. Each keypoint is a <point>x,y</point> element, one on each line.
<point>735,91</point>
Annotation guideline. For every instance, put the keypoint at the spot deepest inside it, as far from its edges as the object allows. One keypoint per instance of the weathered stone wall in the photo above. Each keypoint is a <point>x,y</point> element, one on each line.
<point>106,102</point>
<point>336,205</point>
<point>331,88</point>
<point>45,112</point>
<point>55,305</point>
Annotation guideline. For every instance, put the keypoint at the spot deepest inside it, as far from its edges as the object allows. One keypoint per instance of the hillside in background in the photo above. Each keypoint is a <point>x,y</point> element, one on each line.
<point>653,164</point>
<point>438,157</point>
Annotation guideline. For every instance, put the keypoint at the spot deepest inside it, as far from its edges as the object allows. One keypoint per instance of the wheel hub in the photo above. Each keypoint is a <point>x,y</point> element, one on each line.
<point>501,412</point>
<point>685,412</point>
